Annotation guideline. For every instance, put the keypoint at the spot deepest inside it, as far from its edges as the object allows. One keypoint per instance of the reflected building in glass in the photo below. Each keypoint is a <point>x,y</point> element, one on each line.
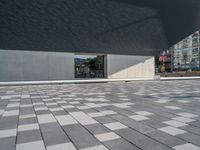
<point>186,54</point>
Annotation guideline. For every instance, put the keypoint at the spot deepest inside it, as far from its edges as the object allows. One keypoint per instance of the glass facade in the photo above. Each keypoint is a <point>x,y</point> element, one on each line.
<point>89,66</point>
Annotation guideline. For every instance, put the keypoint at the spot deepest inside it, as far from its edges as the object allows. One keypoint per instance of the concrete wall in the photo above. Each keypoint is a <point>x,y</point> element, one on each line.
<point>35,66</point>
<point>127,66</point>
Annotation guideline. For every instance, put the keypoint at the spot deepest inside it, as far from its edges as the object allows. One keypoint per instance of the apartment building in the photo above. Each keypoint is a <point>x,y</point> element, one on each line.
<point>186,54</point>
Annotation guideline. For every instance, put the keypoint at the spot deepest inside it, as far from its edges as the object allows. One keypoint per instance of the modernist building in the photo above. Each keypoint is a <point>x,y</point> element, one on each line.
<point>40,38</point>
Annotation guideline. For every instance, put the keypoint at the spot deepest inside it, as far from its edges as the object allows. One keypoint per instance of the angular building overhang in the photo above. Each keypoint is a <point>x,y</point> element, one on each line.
<point>139,27</point>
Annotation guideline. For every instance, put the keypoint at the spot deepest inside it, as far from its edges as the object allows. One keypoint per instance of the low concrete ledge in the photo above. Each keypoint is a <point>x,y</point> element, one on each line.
<point>94,81</point>
<point>72,81</point>
<point>179,78</point>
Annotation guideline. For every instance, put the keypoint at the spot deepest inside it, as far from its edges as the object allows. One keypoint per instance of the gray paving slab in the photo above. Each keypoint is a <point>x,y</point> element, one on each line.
<point>191,138</point>
<point>120,144</point>
<point>7,143</point>
<point>141,140</point>
<point>8,122</point>
<point>134,124</point>
<point>81,137</point>
<point>97,128</point>
<point>27,121</point>
<point>55,137</point>
<point>28,136</point>
<point>165,138</point>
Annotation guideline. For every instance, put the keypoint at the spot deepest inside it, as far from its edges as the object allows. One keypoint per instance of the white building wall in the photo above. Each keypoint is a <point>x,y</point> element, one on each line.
<point>38,66</point>
<point>35,66</point>
<point>127,66</point>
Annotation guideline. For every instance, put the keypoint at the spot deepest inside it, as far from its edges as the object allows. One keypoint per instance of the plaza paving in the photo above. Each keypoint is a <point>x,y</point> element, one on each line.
<point>107,116</point>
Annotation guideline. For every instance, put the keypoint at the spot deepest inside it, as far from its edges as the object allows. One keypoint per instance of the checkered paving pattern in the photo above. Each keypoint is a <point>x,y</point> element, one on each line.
<point>107,116</point>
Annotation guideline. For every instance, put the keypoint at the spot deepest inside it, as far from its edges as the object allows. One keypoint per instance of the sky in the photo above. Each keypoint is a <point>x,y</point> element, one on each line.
<point>85,56</point>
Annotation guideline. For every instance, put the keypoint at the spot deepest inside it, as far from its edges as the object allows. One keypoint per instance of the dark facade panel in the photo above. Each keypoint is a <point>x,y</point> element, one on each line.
<point>139,27</point>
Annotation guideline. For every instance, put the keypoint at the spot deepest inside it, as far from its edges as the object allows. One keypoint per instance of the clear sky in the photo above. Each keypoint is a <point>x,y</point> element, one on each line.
<point>85,56</point>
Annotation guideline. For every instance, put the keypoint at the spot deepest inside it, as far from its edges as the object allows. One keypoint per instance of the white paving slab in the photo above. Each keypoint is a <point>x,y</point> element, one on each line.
<point>92,105</point>
<point>172,130</point>
<point>96,114</point>
<point>82,118</point>
<point>78,99</point>
<point>104,104</point>
<point>66,120</point>
<point>107,136</point>
<point>162,101</point>
<point>27,127</point>
<point>56,109</point>
<point>74,102</point>
<point>120,105</point>
<point>172,107</point>
<point>48,100</point>
<point>175,123</point>
<point>11,105</point>
<point>38,104</point>
<point>11,113</point>
<point>1,111</point>
<point>63,146</point>
<point>15,100</point>
<point>183,101</point>
<point>26,105</point>
<point>5,97</point>
<point>51,104</point>
<point>122,96</point>
<point>47,118</point>
<point>187,146</point>
<point>36,145</point>
<point>125,99</point>
<point>40,108</point>
<point>61,102</point>
<point>25,96</point>
<point>83,107</point>
<point>108,112</point>
<point>187,115</point>
<point>8,133</point>
<point>128,103</point>
<point>67,106</point>
<point>99,147</point>
<point>115,126</point>
<point>144,113</point>
<point>27,116</point>
<point>138,117</point>
<point>183,119</point>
